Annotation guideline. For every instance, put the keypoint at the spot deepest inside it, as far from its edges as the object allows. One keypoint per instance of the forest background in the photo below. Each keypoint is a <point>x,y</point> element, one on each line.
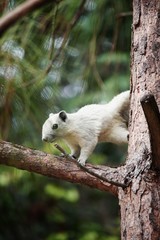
<point>63,56</point>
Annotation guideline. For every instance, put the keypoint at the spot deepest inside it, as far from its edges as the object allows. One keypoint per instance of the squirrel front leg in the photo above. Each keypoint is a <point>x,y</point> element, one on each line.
<point>75,150</point>
<point>86,150</point>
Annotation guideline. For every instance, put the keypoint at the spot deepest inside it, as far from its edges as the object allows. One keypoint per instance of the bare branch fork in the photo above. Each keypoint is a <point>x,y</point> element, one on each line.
<point>90,171</point>
<point>152,115</point>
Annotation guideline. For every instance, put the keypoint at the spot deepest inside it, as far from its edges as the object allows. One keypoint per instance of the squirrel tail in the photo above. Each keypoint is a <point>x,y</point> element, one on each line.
<point>120,104</point>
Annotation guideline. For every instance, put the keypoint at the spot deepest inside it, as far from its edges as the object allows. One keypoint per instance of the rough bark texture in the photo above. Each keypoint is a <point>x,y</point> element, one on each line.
<point>140,202</point>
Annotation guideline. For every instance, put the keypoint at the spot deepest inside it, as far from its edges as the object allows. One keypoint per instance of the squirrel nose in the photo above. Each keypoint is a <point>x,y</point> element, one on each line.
<point>45,139</point>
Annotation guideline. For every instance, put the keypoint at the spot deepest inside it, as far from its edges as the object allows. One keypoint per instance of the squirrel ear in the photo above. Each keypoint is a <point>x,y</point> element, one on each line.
<point>63,116</point>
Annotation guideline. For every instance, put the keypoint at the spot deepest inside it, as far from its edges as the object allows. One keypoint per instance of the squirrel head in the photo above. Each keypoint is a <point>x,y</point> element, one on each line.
<point>54,127</point>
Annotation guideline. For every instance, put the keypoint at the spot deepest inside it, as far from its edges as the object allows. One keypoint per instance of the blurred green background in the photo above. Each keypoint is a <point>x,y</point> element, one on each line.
<point>63,56</point>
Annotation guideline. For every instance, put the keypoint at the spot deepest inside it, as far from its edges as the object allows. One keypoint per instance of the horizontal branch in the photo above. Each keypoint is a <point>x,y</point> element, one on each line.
<point>23,9</point>
<point>152,115</point>
<point>57,167</point>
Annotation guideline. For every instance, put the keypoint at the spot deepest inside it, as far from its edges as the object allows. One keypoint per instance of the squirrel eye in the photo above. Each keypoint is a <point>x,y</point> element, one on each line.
<point>55,126</point>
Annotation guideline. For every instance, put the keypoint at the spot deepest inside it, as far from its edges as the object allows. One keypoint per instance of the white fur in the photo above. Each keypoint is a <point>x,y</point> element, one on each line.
<point>91,124</point>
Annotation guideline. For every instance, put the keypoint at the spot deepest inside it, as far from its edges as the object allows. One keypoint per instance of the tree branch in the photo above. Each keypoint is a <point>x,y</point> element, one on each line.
<point>90,170</point>
<point>102,177</point>
<point>23,9</point>
<point>152,115</point>
<point>57,167</point>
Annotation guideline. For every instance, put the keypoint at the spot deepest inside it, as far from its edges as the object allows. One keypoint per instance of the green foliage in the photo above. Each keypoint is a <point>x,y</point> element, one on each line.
<point>57,192</point>
<point>60,58</point>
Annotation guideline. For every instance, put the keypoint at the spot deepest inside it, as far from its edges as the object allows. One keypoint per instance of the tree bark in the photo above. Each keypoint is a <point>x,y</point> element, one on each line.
<point>140,202</point>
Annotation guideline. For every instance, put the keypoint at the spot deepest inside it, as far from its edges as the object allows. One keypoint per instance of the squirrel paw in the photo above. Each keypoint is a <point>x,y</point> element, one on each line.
<point>81,162</point>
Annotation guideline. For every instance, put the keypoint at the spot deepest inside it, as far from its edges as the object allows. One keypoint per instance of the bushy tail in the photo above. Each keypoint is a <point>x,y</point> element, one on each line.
<point>120,104</point>
<point>120,101</point>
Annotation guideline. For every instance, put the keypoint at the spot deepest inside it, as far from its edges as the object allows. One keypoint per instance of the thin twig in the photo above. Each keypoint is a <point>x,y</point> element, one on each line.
<point>86,169</point>
<point>61,149</point>
<point>117,27</point>
<point>118,184</point>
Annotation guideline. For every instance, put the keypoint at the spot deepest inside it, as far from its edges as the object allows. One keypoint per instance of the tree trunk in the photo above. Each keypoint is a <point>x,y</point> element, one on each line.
<point>140,202</point>
<point>138,182</point>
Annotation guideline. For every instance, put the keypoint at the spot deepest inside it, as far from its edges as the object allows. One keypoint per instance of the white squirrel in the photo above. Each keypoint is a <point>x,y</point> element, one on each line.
<point>91,124</point>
